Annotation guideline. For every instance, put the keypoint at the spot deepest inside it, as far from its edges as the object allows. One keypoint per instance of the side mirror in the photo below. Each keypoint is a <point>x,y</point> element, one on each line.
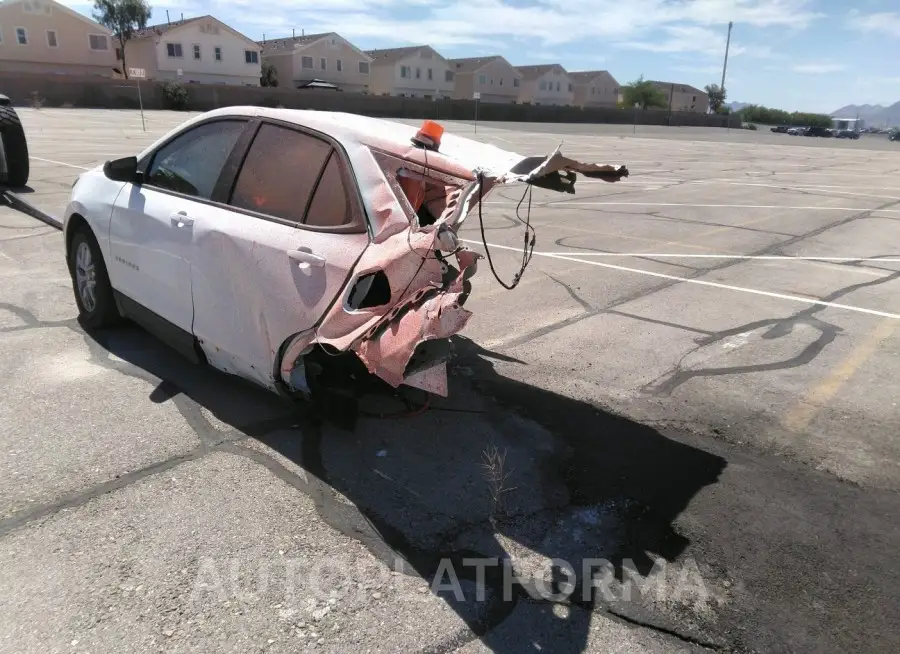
<point>122,170</point>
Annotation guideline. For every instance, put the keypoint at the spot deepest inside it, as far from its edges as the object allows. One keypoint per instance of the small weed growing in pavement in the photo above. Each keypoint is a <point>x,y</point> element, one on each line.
<point>497,476</point>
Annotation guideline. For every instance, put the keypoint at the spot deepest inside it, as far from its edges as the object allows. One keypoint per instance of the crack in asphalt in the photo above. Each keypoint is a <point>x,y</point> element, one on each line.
<point>778,328</point>
<point>771,249</point>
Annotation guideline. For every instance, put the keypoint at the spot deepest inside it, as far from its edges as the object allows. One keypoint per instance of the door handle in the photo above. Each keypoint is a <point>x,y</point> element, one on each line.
<point>306,258</point>
<point>181,220</point>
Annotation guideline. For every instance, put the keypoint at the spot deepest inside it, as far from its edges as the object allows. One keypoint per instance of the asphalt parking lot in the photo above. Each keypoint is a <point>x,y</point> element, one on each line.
<point>694,387</point>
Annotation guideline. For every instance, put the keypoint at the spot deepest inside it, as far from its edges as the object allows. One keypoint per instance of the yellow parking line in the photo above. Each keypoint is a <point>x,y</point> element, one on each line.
<point>798,418</point>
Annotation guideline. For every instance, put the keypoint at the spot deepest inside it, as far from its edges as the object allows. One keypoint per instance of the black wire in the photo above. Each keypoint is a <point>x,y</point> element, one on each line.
<point>527,248</point>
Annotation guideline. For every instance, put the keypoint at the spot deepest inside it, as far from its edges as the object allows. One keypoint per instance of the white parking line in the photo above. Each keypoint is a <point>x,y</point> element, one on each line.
<point>58,163</point>
<point>567,203</point>
<point>767,257</point>
<point>701,282</point>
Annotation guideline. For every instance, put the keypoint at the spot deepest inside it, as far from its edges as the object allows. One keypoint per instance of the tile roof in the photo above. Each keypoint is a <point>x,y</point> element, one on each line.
<point>471,64</point>
<point>290,42</point>
<point>392,55</point>
<point>162,28</point>
<point>533,72</point>
<point>587,76</point>
<point>665,86</point>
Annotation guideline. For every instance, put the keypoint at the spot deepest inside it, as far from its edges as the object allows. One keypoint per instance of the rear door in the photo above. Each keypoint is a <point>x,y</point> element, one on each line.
<point>274,264</point>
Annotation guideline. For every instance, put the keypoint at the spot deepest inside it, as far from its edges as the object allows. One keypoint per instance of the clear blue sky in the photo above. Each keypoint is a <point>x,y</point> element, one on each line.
<point>813,55</point>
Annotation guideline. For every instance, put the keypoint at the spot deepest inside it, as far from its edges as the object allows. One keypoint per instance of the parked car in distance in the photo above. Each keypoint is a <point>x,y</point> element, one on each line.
<point>822,132</point>
<point>846,134</point>
<point>796,131</point>
<point>894,134</point>
<point>780,129</point>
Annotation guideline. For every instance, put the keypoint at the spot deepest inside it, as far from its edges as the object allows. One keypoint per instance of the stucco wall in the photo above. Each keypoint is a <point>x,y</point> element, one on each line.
<point>118,94</point>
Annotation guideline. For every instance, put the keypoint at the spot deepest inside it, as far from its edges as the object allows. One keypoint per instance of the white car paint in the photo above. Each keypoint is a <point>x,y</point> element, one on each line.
<point>244,286</point>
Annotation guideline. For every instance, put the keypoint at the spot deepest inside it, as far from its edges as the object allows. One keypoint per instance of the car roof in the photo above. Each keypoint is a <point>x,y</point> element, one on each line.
<point>457,155</point>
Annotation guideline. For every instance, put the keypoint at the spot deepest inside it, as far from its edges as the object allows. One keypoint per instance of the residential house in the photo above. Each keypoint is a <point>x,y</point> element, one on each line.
<point>683,97</point>
<point>493,78</point>
<point>594,88</point>
<point>414,72</point>
<point>43,36</point>
<point>329,57</point>
<point>545,84</point>
<point>202,50</point>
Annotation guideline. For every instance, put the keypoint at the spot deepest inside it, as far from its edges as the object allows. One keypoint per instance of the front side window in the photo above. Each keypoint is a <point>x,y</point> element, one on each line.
<point>218,53</point>
<point>193,161</point>
<point>280,173</point>
<point>174,50</point>
<point>51,39</point>
<point>364,67</point>
<point>340,65</point>
<point>251,56</point>
<point>306,62</point>
<point>323,63</point>
<point>196,52</point>
<point>21,36</point>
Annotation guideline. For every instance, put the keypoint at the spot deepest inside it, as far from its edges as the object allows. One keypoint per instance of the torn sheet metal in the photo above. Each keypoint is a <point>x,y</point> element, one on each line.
<point>409,231</point>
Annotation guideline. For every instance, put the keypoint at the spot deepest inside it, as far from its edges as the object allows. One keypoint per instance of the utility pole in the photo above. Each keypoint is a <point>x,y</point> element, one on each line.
<point>724,68</point>
<point>727,46</point>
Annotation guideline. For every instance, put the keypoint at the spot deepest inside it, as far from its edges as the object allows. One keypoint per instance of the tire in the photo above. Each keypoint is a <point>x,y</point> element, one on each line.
<point>96,305</point>
<point>15,149</point>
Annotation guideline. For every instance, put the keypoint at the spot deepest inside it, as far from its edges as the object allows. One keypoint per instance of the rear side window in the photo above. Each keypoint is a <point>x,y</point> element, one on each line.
<point>280,173</point>
<point>330,206</point>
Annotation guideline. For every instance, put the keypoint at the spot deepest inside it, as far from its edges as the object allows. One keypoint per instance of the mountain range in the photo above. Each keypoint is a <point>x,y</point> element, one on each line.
<point>875,115</point>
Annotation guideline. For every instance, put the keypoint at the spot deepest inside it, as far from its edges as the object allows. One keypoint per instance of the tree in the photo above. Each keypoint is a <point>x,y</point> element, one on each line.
<point>767,116</point>
<point>269,76</point>
<point>123,18</point>
<point>716,95</point>
<point>644,94</point>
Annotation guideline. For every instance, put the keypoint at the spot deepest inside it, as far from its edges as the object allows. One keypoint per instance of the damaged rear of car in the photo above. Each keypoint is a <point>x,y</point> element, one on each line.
<point>406,294</point>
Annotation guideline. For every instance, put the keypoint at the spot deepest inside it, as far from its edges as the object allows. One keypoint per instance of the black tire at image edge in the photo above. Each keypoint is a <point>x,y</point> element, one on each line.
<point>15,147</point>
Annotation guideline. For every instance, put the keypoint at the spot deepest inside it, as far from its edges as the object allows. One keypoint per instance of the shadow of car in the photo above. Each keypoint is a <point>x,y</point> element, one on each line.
<point>586,485</point>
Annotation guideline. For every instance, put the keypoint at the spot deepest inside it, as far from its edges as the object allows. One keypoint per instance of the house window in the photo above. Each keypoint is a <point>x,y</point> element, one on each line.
<point>516,82</point>
<point>492,81</point>
<point>51,38</point>
<point>482,79</point>
<point>404,71</point>
<point>218,51</point>
<point>501,81</point>
<point>418,73</point>
<point>448,76</point>
<point>99,42</point>
<point>306,62</point>
<point>340,65</point>
<point>323,64</point>
<point>693,98</point>
<point>363,67</point>
<point>118,54</point>
<point>174,50</point>
<point>543,86</point>
<point>557,86</point>
<point>251,56</point>
<point>21,36</point>
<point>570,88</point>
<point>196,51</point>
<point>430,74</point>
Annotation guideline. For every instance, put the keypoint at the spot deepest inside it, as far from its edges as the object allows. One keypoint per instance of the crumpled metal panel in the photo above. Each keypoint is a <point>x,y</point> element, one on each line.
<point>424,305</point>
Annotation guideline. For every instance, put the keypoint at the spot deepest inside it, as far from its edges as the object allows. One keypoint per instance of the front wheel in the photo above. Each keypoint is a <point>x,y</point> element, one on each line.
<point>90,281</point>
